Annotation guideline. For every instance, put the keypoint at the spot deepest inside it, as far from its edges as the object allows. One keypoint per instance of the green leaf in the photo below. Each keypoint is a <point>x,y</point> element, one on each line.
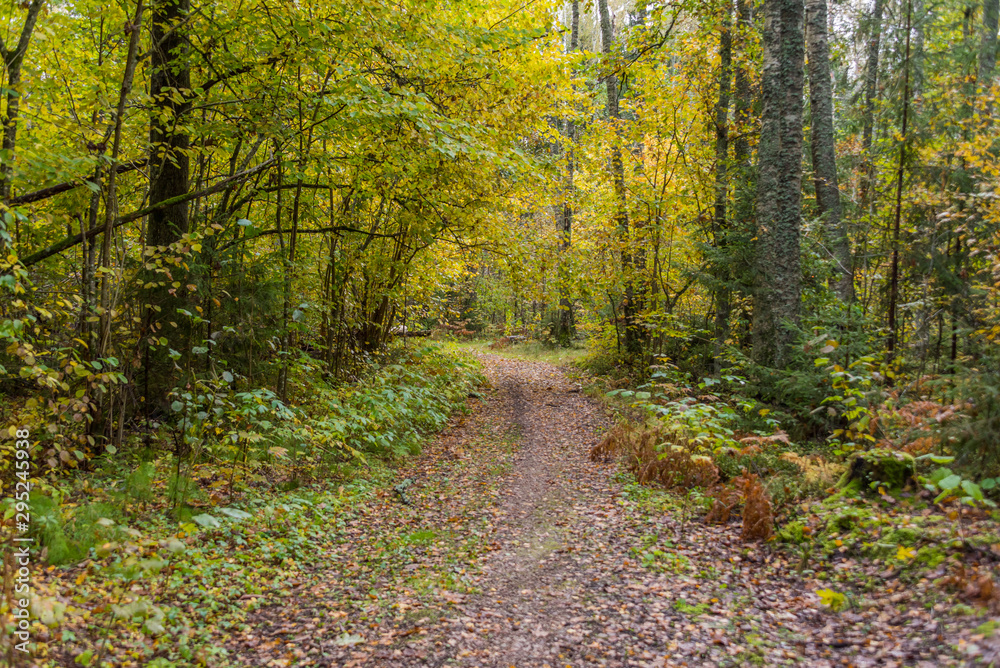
<point>972,489</point>
<point>235,513</point>
<point>174,546</point>
<point>207,521</point>
<point>950,483</point>
<point>937,459</point>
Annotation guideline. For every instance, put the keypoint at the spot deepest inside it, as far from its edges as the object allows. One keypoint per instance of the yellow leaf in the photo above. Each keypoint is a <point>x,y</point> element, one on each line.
<point>904,553</point>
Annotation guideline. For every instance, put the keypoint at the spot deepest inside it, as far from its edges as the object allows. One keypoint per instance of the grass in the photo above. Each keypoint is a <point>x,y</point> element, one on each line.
<point>536,351</point>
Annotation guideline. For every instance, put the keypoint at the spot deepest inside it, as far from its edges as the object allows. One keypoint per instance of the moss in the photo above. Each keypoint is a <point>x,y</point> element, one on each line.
<point>931,556</point>
<point>988,628</point>
<point>793,532</point>
<point>870,469</point>
<point>847,519</point>
<point>903,536</point>
<point>963,610</point>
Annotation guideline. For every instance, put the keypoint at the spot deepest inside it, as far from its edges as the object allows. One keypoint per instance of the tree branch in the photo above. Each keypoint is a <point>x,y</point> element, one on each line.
<point>52,191</point>
<point>69,242</point>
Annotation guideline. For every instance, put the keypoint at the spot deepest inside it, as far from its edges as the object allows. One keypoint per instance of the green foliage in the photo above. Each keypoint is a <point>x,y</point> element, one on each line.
<point>69,533</point>
<point>972,437</point>
<point>389,413</point>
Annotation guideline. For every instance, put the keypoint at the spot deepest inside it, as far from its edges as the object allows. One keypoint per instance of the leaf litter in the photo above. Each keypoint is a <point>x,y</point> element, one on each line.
<point>515,549</point>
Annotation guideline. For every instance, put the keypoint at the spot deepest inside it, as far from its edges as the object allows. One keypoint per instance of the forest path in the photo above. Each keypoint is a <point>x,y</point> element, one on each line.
<point>519,551</point>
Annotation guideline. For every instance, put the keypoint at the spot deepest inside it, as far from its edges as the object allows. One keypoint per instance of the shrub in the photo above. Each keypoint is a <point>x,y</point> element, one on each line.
<point>656,454</point>
<point>972,435</point>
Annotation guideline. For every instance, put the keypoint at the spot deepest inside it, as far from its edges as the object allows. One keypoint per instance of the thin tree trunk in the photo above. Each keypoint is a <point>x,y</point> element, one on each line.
<point>111,194</point>
<point>722,290</point>
<point>633,344</point>
<point>779,199</point>
<point>894,271</point>
<point>988,51</point>
<point>100,424</point>
<point>565,333</point>
<point>824,157</point>
<point>868,110</point>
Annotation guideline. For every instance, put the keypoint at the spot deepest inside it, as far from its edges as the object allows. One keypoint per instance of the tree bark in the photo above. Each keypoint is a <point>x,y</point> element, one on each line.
<point>868,110</point>
<point>565,330</point>
<point>778,277</point>
<point>988,48</point>
<point>632,339</point>
<point>900,171</point>
<point>168,160</point>
<point>824,157</point>
<point>723,297</point>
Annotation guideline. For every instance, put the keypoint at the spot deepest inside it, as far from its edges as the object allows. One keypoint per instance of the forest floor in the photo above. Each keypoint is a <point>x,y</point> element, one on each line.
<point>514,549</point>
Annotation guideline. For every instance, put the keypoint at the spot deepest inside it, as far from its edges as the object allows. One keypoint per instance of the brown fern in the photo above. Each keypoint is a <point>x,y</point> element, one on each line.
<point>758,520</point>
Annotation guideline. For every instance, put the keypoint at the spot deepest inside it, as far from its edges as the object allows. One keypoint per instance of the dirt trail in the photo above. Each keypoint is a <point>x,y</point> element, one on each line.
<point>580,572</point>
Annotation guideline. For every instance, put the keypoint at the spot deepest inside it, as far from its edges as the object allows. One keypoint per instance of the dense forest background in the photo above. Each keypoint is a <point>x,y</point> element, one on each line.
<point>767,229</point>
<point>211,208</point>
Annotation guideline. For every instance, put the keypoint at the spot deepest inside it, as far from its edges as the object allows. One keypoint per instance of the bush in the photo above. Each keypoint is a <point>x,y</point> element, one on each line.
<point>973,434</point>
<point>68,534</point>
<point>656,454</point>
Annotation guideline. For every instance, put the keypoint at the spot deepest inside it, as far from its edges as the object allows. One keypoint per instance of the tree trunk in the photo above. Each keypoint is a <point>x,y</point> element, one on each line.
<point>565,329</point>
<point>632,340</point>
<point>13,61</point>
<point>169,179</point>
<point>868,111</point>
<point>894,269</point>
<point>101,424</point>
<point>778,275</point>
<point>722,290</point>
<point>824,157</point>
<point>988,50</point>
<point>168,160</point>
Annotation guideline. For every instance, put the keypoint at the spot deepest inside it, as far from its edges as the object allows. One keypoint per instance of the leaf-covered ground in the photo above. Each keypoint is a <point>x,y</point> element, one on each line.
<point>516,550</point>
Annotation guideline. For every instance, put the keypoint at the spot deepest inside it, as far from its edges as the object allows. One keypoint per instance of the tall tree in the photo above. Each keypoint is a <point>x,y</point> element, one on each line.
<point>868,108</point>
<point>897,217</point>
<point>988,45</point>
<point>723,297</point>
<point>169,88</point>
<point>632,340</point>
<point>170,91</point>
<point>822,146</point>
<point>778,279</point>
<point>565,332</point>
